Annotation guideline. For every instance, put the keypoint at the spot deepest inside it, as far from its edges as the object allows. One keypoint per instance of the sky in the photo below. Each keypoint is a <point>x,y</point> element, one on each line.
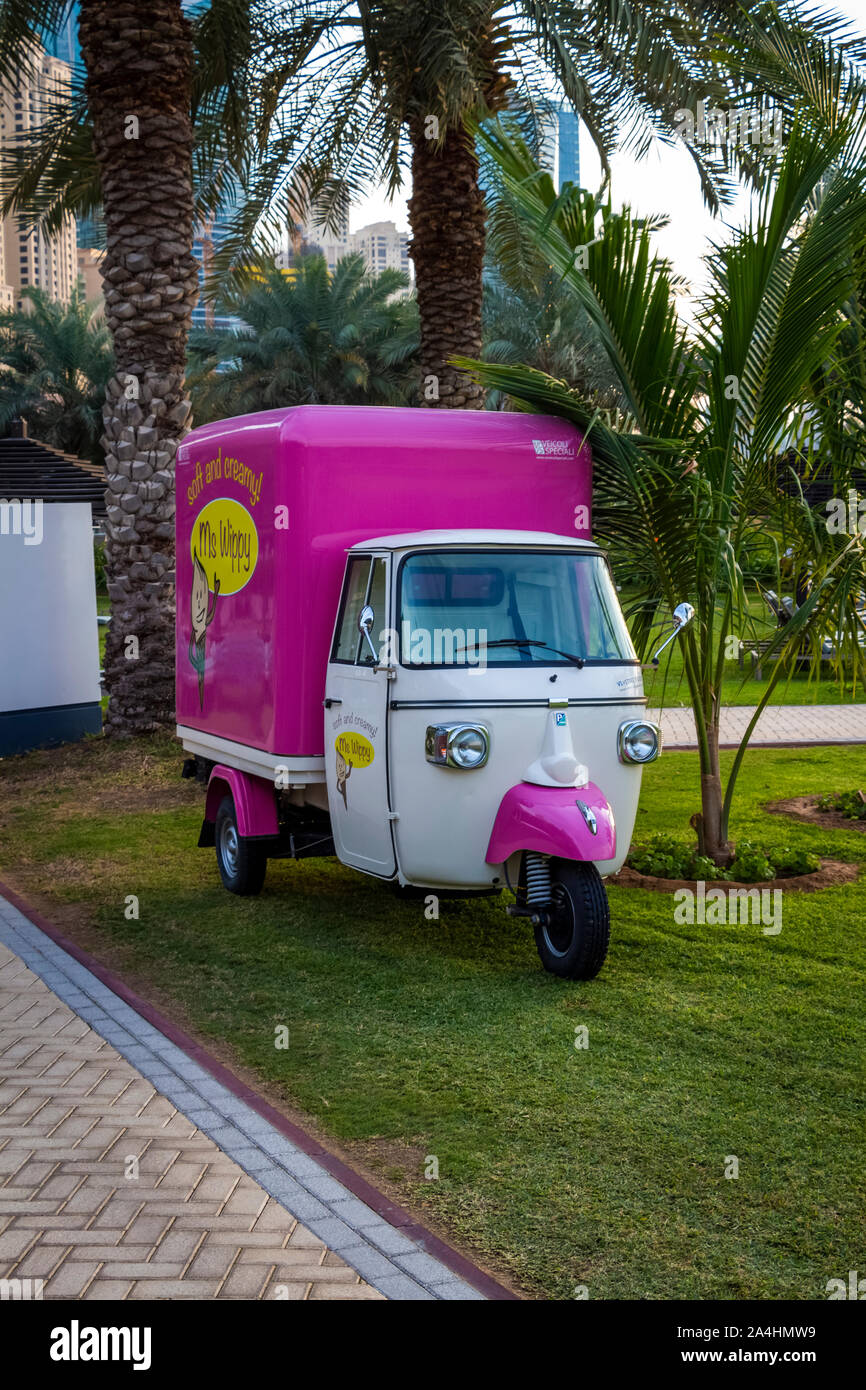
<point>664,182</point>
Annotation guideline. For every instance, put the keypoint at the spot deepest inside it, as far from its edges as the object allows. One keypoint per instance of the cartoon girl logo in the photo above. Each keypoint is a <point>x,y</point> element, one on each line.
<point>201,618</point>
<point>344,772</point>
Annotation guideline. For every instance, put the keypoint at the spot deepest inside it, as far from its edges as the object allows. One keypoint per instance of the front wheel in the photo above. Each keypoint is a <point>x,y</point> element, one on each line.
<point>573,940</point>
<point>242,865</point>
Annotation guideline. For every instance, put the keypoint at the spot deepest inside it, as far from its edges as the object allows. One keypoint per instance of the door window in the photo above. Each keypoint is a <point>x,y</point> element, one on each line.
<point>366,583</point>
<point>376,599</point>
<point>354,594</point>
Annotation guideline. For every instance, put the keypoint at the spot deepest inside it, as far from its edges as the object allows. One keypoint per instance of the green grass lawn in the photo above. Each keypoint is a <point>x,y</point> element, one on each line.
<point>667,687</point>
<point>739,687</point>
<point>408,1037</point>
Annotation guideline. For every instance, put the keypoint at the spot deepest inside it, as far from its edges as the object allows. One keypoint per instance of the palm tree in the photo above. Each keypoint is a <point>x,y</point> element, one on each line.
<point>309,336</point>
<point>124,138</point>
<point>142,137</point>
<point>55,362</point>
<point>346,95</point>
<point>540,326</point>
<point>686,473</point>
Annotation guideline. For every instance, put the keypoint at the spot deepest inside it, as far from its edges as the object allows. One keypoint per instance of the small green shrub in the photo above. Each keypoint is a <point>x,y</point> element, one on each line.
<point>663,856</point>
<point>751,864</point>
<point>786,860</point>
<point>850,804</point>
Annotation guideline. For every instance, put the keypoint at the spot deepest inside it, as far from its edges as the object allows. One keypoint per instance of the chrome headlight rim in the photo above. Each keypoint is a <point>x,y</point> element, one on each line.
<point>627,733</point>
<point>441,745</point>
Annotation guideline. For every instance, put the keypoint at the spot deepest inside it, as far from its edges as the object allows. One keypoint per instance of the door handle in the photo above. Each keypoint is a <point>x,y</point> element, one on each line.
<point>329,701</point>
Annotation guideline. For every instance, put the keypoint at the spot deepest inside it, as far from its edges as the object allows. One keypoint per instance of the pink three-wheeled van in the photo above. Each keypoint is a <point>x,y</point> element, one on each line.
<point>397,643</point>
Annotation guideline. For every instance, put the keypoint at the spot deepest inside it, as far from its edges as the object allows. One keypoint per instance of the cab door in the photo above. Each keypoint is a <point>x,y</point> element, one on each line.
<point>356,708</point>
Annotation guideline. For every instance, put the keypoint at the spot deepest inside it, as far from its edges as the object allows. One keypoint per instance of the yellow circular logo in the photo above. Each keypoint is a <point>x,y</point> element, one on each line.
<point>355,749</point>
<point>225,544</point>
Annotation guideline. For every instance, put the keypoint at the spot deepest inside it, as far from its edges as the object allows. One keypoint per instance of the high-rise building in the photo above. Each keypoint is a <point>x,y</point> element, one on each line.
<point>7,293</point>
<point>333,242</point>
<point>63,44</point>
<point>560,145</point>
<point>91,231</point>
<point>568,150</point>
<point>333,246</point>
<point>209,237</point>
<point>558,149</point>
<point>89,261</point>
<point>383,247</point>
<point>31,257</point>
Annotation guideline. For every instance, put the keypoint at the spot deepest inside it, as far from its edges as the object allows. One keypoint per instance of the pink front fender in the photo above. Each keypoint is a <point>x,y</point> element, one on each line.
<point>549,821</point>
<point>255,802</point>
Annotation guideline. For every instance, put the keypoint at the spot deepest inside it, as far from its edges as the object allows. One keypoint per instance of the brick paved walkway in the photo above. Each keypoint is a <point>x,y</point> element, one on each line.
<point>127,1171</point>
<point>780,724</point>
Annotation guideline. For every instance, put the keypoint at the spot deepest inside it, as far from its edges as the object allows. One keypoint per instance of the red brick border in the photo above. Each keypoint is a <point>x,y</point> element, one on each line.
<point>378,1201</point>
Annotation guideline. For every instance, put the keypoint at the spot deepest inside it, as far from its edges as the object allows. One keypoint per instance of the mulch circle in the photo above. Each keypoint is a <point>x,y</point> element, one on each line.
<point>831,873</point>
<point>805,808</point>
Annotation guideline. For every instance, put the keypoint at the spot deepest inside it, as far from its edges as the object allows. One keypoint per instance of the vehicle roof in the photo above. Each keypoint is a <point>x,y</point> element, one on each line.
<point>409,540</point>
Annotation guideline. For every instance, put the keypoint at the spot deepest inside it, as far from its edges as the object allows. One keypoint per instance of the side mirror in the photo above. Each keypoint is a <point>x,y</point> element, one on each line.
<point>366,619</point>
<point>683,615</point>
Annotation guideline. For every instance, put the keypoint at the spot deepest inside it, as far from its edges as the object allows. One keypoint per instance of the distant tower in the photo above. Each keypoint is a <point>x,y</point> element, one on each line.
<point>559,151</point>
<point>63,44</point>
<point>568,147</point>
<point>30,256</point>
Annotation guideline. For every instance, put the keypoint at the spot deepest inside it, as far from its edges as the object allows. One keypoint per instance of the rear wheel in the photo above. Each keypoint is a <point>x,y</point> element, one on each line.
<point>242,865</point>
<point>572,942</point>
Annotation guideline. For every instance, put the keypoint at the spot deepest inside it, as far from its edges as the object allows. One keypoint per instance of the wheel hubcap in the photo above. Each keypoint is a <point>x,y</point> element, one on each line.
<point>229,846</point>
<point>558,930</point>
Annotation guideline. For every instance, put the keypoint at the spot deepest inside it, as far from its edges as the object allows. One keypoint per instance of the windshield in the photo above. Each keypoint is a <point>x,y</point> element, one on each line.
<point>510,608</point>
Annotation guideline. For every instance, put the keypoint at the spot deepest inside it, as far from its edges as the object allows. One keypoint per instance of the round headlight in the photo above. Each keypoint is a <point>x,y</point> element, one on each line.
<point>639,743</point>
<point>468,747</point>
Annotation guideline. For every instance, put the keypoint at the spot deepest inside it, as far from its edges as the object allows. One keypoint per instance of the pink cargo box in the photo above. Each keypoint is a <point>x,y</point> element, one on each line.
<point>267,506</point>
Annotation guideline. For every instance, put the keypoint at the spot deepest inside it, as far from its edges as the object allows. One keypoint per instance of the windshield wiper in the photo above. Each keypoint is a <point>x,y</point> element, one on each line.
<point>529,642</point>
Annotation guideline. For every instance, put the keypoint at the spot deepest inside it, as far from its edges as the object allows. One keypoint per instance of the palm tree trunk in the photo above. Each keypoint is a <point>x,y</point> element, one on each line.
<point>709,821</point>
<point>446,214</point>
<point>139,74</point>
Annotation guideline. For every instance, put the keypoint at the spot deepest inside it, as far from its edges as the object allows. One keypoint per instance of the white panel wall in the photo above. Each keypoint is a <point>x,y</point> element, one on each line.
<point>49,647</point>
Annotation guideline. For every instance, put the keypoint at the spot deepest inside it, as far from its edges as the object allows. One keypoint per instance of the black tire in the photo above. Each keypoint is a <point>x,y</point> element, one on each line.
<point>573,943</point>
<point>242,865</point>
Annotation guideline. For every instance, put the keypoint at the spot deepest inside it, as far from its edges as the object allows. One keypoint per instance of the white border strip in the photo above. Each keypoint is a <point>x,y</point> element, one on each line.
<point>256,761</point>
